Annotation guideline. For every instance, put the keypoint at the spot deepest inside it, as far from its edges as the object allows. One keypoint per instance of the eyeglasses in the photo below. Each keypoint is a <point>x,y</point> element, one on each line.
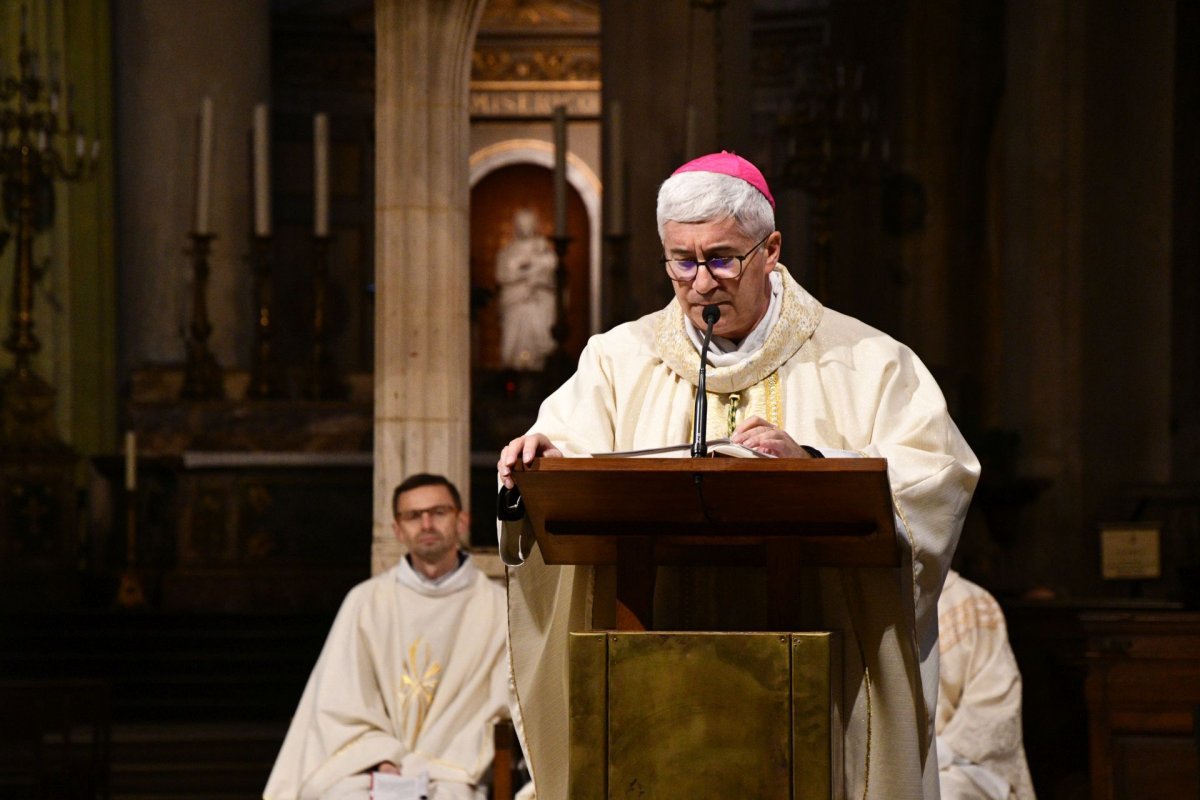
<point>720,267</point>
<point>437,512</point>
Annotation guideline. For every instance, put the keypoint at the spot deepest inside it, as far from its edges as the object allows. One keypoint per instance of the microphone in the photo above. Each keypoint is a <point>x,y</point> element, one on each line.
<point>712,313</point>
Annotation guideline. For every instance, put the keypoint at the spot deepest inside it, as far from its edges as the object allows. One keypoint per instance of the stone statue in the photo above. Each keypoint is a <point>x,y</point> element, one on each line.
<point>525,272</point>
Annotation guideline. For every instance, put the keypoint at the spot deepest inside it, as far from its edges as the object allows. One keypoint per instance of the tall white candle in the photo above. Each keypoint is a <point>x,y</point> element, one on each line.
<point>262,172</point>
<point>130,461</point>
<point>204,165</point>
<point>560,171</point>
<point>62,42</point>
<point>616,171</point>
<point>321,174</point>
<point>43,38</point>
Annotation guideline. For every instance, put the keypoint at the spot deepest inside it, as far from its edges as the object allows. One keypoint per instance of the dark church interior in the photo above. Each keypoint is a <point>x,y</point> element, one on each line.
<point>215,367</point>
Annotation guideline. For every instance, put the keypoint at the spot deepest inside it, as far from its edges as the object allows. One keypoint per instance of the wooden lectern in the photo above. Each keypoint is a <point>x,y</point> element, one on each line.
<point>712,714</point>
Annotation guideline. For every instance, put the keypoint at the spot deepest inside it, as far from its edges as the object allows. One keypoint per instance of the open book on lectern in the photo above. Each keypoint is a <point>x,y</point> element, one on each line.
<point>714,448</point>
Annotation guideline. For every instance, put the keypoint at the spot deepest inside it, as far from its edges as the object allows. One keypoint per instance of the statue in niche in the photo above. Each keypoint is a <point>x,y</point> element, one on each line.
<point>525,273</point>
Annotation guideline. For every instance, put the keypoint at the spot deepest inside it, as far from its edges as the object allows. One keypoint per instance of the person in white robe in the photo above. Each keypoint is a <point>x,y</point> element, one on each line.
<point>981,755</point>
<point>413,674</point>
<point>790,378</point>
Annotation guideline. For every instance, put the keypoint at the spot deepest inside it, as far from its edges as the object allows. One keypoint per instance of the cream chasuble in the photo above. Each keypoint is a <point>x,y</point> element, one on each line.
<point>980,751</point>
<point>412,672</point>
<point>833,383</point>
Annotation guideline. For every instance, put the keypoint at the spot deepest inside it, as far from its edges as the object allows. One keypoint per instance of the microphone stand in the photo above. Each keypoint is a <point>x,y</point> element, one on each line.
<point>700,416</point>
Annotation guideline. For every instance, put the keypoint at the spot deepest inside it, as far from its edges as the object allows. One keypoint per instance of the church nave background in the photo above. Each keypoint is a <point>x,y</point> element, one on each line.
<point>1007,187</point>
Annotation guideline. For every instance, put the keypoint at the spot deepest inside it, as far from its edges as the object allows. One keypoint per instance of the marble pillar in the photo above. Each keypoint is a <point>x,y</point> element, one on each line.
<point>422,270</point>
<point>168,56</point>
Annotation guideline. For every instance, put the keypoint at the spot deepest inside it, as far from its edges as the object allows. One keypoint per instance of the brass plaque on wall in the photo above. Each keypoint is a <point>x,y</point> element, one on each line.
<point>702,715</point>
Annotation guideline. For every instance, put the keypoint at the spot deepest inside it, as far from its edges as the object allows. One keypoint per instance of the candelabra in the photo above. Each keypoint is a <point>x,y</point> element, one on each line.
<point>831,133</point>
<point>265,382</point>
<point>202,379</point>
<point>131,592</point>
<point>322,382</point>
<point>34,119</point>
<point>558,364</point>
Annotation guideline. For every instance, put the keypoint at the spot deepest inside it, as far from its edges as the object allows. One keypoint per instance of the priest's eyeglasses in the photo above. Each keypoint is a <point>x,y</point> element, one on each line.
<point>720,267</point>
<point>414,514</point>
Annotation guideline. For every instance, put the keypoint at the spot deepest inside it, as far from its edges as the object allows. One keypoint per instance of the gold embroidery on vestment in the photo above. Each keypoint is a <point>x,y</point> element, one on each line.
<point>727,411</point>
<point>735,400</point>
<point>774,407</point>
<point>799,315</point>
<point>419,681</point>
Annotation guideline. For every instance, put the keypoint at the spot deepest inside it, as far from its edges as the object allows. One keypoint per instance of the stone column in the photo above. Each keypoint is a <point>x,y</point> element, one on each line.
<point>422,329</point>
<point>168,56</point>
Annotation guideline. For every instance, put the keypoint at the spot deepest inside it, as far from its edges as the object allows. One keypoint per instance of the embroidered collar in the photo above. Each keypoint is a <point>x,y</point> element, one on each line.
<point>799,314</point>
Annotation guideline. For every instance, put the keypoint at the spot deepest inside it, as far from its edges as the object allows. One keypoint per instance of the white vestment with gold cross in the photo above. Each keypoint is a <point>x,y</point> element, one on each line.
<point>413,672</point>
<point>833,383</point>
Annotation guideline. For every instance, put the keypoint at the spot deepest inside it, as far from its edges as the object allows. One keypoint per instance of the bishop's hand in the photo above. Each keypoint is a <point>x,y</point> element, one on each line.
<point>763,437</point>
<point>523,449</point>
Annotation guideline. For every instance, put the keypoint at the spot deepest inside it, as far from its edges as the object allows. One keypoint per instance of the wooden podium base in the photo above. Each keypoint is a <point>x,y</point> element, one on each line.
<point>670,715</point>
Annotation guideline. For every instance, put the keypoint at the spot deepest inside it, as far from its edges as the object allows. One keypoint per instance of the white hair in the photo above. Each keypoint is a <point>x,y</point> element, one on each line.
<point>705,196</point>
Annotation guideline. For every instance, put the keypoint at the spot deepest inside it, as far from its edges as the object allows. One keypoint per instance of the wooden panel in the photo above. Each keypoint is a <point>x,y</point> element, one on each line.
<point>1143,692</point>
<point>1154,767</point>
<point>1154,683</point>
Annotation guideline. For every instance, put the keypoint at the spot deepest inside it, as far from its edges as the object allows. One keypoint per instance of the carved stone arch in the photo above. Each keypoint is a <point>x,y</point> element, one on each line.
<point>580,176</point>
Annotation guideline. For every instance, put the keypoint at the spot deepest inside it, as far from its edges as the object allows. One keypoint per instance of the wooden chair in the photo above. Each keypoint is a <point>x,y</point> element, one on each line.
<point>504,765</point>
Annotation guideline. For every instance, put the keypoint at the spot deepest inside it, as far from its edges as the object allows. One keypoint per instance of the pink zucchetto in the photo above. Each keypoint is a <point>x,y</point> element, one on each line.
<point>726,163</point>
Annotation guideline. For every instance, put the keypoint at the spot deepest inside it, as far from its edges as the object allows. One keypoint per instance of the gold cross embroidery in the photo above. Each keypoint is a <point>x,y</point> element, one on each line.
<point>419,681</point>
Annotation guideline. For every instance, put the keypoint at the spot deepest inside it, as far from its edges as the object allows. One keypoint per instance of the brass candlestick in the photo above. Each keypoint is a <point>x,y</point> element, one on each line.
<point>202,379</point>
<point>265,381</point>
<point>558,365</point>
<point>31,125</point>
<point>322,381</point>
<point>130,591</point>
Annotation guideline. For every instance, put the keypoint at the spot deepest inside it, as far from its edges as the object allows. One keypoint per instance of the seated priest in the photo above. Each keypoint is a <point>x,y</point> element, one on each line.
<point>979,741</point>
<point>787,377</point>
<point>413,674</point>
